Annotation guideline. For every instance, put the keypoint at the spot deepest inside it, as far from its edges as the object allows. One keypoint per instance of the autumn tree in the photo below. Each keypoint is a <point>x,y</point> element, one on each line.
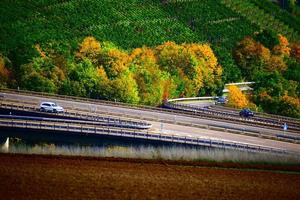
<point>147,75</point>
<point>289,106</point>
<point>295,51</point>
<point>276,63</point>
<point>115,62</point>
<point>190,65</point>
<point>208,71</point>
<point>181,65</point>
<point>251,56</point>
<point>283,47</point>
<point>236,98</point>
<point>5,72</point>
<point>89,48</point>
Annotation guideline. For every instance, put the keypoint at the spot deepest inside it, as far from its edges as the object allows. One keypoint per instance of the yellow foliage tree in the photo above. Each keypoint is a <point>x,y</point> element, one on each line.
<point>236,98</point>
<point>203,51</point>
<point>194,65</point>
<point>116,62</point>
<point>89,48</point>
<point>290,106</point>
<point>143,55</point>
<point>147,76</point>
<point>276,63</point>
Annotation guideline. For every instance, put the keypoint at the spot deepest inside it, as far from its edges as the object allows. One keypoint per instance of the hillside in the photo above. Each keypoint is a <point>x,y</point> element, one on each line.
<point>133,23</point>
<point>52,46</point>
<point>128,24</point>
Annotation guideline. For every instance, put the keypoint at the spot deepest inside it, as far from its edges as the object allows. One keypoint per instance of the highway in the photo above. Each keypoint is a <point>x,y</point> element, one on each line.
<point>170,123</point>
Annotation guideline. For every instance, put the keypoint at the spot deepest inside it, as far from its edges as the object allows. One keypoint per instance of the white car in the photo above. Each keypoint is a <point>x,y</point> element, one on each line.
<point>51,107</point>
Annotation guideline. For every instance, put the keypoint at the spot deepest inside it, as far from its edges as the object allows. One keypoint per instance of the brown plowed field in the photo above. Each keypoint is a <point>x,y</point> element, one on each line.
<point>57,177</point>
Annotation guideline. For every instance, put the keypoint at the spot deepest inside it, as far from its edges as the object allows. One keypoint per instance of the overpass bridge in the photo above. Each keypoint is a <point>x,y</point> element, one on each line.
<point>72,127</point>
<point>175,123</point>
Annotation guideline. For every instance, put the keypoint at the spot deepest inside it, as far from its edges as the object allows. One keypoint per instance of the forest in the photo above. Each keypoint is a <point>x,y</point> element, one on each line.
<point>144,52</point>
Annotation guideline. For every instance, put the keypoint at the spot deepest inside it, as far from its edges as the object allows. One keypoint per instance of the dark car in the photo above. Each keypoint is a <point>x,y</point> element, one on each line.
<point>246,113</point>
<point>221,100</point>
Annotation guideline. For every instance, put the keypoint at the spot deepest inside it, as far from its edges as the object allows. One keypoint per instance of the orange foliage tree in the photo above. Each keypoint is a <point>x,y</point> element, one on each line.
<point>295,51</point>
<point>283,47</point>
<point>236,98</point>
<point>115,62</point>
<point>290,106</point>
<point>251,56</point>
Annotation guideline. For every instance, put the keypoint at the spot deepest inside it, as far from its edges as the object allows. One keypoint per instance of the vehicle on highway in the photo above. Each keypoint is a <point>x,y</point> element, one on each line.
<point>221,100</point>
<point>246,113</point>
<point>51,107</point>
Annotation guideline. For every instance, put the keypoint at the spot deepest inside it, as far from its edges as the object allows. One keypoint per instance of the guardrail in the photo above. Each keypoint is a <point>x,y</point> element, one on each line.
<point>113,123</point>
<point>193,98</point>
<point>233,116</point>
<point>85,116</point>
<point>278,117</point>
<point>79,99</point>
<point>146,135</point>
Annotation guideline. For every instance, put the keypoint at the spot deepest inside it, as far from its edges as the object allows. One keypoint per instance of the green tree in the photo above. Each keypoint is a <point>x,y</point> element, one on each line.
<point>124,89</point>
<point>231,72</point>
<point>41,75</point>
<point>82,76</point>
<point>5,72</point>
<point>268,38</point>
<point>147,75</point>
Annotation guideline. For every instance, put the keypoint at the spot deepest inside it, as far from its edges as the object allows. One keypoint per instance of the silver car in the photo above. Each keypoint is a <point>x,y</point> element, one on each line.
<point>51,107</point>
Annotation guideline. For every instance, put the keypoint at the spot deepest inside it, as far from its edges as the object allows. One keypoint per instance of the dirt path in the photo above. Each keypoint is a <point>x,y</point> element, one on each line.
<point>54,177</point>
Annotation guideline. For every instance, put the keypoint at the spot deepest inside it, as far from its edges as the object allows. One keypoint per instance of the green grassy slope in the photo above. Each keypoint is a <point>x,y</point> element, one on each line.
<point>127,23</point>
